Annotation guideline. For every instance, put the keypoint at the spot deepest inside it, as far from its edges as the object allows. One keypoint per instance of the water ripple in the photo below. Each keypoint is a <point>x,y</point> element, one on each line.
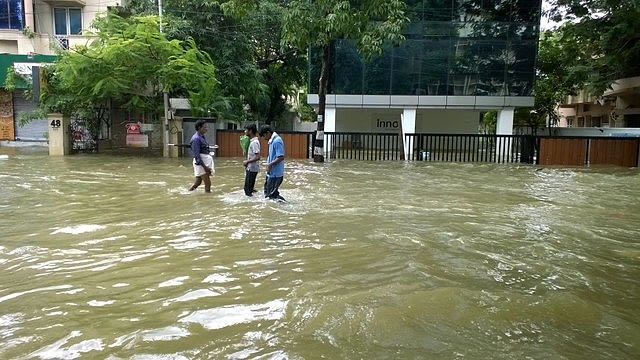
<point>365,260</point>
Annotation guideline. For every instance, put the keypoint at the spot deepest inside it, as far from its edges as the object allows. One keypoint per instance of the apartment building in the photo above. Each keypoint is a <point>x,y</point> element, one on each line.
<point>616,111</point>
<point>31,31</point>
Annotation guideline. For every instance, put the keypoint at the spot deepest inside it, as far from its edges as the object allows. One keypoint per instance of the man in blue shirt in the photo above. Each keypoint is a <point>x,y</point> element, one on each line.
<point>202,160</point>
<point>275,163</point>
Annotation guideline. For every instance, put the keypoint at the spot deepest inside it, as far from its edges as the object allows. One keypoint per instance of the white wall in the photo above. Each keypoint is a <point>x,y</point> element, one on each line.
<point>44,19</point>
<point>388,120</point>
<point>447,121</point>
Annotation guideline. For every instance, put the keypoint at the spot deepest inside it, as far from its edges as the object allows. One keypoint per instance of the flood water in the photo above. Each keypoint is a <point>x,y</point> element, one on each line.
<point>110,257</point>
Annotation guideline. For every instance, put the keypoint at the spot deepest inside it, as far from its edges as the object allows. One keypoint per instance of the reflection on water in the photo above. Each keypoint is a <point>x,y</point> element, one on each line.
<point>112,257</point>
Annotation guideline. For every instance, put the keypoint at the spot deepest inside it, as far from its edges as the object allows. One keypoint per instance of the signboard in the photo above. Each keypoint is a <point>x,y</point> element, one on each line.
<point>137,140</point>
<point>26,68</point>
<point>135,137</point>
<point>385,123</point>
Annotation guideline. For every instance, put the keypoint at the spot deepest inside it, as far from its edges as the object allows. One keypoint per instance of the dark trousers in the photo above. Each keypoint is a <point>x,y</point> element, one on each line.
<point>271,185</point>
<point>250,182</point>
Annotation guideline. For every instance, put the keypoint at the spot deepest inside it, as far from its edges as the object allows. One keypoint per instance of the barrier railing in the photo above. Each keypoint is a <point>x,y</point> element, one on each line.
<point>432,147</point>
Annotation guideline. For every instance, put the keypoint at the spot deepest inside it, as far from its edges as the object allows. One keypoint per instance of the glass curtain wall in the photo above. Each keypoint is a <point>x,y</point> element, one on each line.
<point>452,47</point>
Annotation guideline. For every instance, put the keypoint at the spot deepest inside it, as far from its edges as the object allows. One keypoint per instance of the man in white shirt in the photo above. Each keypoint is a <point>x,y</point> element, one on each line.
<point>251,164</point>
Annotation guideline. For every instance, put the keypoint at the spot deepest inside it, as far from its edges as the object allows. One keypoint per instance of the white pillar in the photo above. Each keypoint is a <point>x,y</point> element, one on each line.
<point>329,126</point>
<point>504,126</point>
<point>28,15</point>
<point>59,135</point>
<point>408,117</point>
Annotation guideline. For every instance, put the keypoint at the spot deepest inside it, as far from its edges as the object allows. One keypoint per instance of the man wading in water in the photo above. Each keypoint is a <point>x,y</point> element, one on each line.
<point>202,160</point>
<point>275,163</point>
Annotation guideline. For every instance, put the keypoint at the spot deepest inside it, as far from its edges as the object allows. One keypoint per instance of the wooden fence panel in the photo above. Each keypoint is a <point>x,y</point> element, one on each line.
<point>563,151</point>
<point>229,143</point>
<point>623,152</point>
<point>296,145</point>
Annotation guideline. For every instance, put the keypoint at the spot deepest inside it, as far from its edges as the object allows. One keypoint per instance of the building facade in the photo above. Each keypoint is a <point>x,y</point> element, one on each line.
<point>617,111</point>
<point>460,58</point>
<point>31,31</point>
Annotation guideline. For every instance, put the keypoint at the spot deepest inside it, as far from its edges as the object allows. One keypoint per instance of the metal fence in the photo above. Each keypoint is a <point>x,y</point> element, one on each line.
<point>432,147</point>
<point>472,148</point>
<point>363,146</point>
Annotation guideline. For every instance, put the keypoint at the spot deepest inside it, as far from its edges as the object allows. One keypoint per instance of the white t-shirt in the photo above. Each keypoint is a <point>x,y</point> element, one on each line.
<point>254,152</point>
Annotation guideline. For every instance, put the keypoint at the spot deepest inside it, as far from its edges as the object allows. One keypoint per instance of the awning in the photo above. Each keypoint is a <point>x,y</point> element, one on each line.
<point>66,3</point>
<point>23,64</point>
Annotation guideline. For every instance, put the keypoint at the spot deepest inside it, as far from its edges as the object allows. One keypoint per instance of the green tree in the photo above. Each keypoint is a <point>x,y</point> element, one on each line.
<point>369,24</point>
<point>488,122</point>
<point>131,63</point>
<point>602,37</point>
<point>559,73</point>
<point>255,72</point>
<point>283,67</point>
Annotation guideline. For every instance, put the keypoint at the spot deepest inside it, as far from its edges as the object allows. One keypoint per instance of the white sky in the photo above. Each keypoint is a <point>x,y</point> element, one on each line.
<point>545,23</point>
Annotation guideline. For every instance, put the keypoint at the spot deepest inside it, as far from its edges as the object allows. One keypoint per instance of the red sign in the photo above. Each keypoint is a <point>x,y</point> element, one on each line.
<point>133,128</point>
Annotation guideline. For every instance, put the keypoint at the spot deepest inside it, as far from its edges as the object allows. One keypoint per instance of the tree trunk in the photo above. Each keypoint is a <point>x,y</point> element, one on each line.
<point>318,149</point>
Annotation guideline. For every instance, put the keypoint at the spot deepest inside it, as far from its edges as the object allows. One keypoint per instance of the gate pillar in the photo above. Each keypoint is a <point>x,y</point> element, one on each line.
<point>175,136</point>
<point>59,135</point>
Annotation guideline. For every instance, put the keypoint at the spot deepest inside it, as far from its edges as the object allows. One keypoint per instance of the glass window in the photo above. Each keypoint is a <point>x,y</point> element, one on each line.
<point>407,65</point>
<point>435,65</point>
<point>67,21</point>
<point>378,74</point>
<point>480,10</point>
<point>462,47</point>
<point>437,28</point>
<point>60,20</point>
<point>521,56</point>
<point>527,11</point>
<point>347,69</point>
<point>314,69</point>
<point>11,14</point>
<point>519,83</point>
<point>438,10</point>
<point>75,21</point>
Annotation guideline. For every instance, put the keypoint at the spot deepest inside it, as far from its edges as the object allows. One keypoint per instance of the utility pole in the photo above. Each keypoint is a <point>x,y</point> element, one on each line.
<point>165,124</point>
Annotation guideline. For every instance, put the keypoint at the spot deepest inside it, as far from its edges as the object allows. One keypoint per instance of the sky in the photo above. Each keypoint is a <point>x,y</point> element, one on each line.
<point>545,23</point>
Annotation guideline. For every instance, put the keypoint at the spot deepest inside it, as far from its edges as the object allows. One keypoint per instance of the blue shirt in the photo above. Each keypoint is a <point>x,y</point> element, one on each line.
<point>199,145</point>
<point>276,150</point>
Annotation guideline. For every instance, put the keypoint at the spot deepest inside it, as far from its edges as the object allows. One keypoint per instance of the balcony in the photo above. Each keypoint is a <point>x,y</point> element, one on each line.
<point>61,41</point>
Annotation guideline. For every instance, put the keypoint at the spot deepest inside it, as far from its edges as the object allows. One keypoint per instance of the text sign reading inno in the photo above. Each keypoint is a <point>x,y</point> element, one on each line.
<point>385,123</point>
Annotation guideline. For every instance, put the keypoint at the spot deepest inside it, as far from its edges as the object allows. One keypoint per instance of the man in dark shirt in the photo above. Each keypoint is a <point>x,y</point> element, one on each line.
<point>202,160</point>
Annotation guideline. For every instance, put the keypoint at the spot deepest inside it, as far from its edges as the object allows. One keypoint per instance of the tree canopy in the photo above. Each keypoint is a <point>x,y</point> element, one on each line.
<point>129,62</point>
<point>600,40</point>
<point>369,24</point>
<point>243,40</point>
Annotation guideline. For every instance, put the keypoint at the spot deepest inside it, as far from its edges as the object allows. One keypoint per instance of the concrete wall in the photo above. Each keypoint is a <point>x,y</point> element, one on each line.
<point>560,131</point>
<point>388,120</point>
